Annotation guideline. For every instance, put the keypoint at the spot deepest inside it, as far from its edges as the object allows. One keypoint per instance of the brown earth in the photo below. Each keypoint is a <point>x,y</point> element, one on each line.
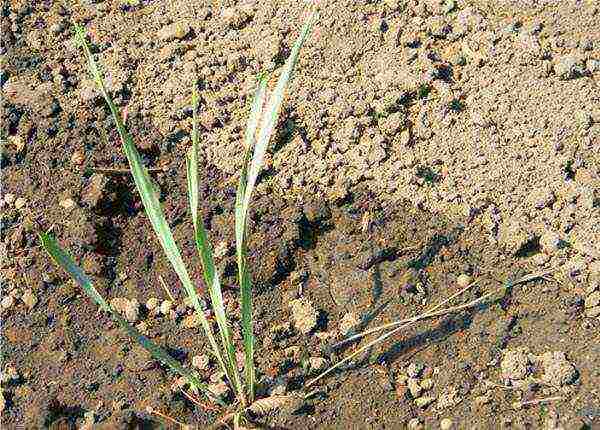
<point>419,141</point>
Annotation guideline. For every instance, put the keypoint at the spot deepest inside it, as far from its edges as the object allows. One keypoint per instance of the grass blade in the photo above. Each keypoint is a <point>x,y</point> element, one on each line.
<point>250,170</point>
<point>66,263</point>
<point>240,230</point>
<point>150,200</point>
<point>211,277</point>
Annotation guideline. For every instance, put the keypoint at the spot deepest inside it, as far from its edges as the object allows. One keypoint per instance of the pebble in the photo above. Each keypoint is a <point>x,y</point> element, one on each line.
<point>415,424</point>
<point>200,361</point>
<point>584,119</point>
<point>348,323</point>
<point>67,203</point>
<point>303,314</point>
<point>132,311</point>
<point>567,67</point>
<point>174,31</point>
<point>557,369</point>
<point>57,27</point>
<point>514,364</point>
<point>7,302</point>
<point>446,424</point>
<point>9,198</point>
<point>29,299</point>
<point>165,307</point>
<point>152,303</point>
<point>549,242</point>
<point>463,280</point>
<point>424,401</point>
<point>119,304</point>
<point>317,364</point>
<point>95,190</point>
<point>20,203</point>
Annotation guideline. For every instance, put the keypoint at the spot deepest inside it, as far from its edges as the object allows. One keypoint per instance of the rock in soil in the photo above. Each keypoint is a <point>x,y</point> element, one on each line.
<point>303,314</point>
<point>558,371</point>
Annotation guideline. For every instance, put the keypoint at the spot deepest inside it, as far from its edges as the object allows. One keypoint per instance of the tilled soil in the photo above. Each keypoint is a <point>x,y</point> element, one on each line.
<point>420,141</point>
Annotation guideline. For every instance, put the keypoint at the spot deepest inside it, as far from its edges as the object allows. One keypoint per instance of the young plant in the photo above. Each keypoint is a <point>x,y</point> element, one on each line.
<point>263,120</point>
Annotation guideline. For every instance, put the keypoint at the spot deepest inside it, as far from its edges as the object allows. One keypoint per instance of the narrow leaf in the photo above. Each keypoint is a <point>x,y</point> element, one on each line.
<point>248,178</point>
<point>211,277</point>
<point>150,201</point>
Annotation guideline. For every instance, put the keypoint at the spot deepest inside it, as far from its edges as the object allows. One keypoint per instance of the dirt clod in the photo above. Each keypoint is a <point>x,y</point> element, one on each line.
<point>303,314</point>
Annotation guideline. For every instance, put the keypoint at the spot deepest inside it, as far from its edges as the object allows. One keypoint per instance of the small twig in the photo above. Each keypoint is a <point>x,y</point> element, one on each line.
<point>430,314</point>
<point>123,171</point>
<point>198,402</point>
<point>519,405</point>
<point>151,410</point>
<point>164,285</point>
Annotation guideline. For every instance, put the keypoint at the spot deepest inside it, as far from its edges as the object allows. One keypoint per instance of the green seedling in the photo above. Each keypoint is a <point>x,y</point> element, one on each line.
<point>263,119</point>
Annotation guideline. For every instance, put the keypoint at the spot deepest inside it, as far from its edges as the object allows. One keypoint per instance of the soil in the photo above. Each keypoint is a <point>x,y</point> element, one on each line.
<point>420,141</point>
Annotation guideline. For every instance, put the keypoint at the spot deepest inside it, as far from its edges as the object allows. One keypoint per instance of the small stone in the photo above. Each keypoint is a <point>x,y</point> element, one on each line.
<point>10,374</point>
<point>20,203</point>
<point>132,311</point>
<point>200,361</point>
<point>67,204</point>
<point>446,424</point>
<point>165,307</point>
<point>29,299</point>
<point>348,323</point>
<point>7,302</point>
<point>190,321</point>
<point>415,424</point>
<point>17,141</point>
<point>583,119</point>
<point>557,370</point>
<point>550,242</point>
<point>414,387</point>
<point>463,280</point>
<point>592,300</point>
<point>234,18</point>
<point>414,369</point>
<point>317,364</point>
<point>568,67</point>
<point>424,401</point>
<point>152,303</point>
<point>514,364</point>
<point>303,314</point>
<point>541,198</point>
<point>174,31</point>
<point>427,384</point>
<point>95,190</point>
<point>9,198</point>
